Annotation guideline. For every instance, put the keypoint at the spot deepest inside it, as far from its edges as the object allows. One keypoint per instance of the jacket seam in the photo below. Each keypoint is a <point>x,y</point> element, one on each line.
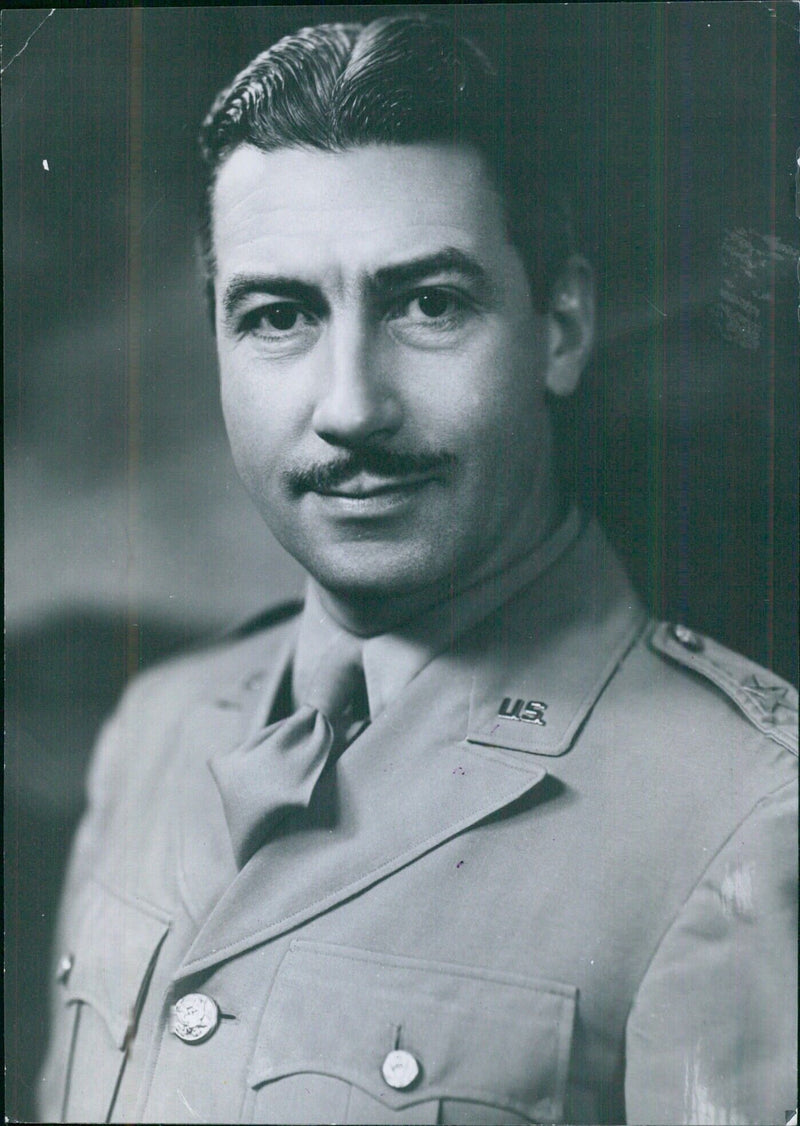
<point>480,1095</point>
<point>450,969</point>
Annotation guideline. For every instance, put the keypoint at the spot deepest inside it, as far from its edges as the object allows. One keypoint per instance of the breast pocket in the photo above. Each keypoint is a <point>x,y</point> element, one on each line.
<point>109,947</point>
<point>352,1036</point>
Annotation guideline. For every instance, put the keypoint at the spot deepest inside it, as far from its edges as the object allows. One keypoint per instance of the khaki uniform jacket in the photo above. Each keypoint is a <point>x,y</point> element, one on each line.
<point>589,918</point>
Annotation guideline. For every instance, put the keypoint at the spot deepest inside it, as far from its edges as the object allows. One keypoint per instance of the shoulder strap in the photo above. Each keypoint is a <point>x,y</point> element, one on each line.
<point>769,702</point>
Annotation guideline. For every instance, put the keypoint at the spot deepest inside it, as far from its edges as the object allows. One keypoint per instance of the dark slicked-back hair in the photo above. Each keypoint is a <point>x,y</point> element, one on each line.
<point>397,80</point>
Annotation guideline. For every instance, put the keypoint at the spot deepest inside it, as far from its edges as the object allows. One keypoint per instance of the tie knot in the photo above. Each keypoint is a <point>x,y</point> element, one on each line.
<point>339,689</point>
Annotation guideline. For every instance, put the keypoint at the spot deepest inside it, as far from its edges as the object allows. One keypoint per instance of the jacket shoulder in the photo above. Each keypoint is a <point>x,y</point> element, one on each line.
<point>224,674</point>
<point>265,619</point>
<point>768,702</point>
<point>216,667</point>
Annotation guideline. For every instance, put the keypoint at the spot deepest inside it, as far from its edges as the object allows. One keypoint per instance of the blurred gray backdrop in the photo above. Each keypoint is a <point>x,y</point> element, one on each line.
<point>127,533</point>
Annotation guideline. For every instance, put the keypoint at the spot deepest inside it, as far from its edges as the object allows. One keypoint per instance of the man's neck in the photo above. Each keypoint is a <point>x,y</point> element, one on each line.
<point>370,614</point>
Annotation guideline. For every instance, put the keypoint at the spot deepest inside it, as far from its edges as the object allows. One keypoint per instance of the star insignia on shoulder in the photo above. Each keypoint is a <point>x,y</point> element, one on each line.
<point>769,697</point>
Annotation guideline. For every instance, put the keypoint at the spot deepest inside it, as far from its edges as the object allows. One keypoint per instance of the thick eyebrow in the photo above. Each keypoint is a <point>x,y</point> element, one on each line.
<point>416,270</point>
<point>241,286</point>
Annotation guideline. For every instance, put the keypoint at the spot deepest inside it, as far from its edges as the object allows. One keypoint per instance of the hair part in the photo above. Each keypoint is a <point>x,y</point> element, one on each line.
<point>397,80</point>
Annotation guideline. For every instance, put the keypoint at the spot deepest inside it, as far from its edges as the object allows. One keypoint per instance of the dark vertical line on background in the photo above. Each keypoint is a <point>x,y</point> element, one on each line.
<point>665,233</point>
<point>686,280</point>
<point>22,172</point>
<point>133,343</point>
<point>658,193</point>
<point>772,259</point>
<point>603,441</point>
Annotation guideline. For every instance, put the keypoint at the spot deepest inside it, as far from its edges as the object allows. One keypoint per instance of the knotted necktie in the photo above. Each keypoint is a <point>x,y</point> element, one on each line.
<point>277,768</point>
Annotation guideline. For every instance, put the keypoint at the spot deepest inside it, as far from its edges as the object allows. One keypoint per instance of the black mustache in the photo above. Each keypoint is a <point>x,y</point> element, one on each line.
<point>379,462</point>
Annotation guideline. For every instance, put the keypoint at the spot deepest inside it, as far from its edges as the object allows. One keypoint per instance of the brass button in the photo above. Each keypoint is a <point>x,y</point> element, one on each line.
<point>400,1069</point>
<point>687,638</point>
<point>194,1018</point>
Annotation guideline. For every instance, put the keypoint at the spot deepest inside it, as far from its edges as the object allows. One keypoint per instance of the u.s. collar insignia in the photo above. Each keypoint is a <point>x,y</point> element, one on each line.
<point>530,711</point>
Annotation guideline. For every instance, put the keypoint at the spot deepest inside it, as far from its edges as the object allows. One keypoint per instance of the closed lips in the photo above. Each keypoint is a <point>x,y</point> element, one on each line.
<point>375,486</point>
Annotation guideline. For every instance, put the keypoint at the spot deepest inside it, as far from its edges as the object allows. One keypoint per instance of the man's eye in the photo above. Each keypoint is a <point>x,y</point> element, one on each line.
<point>432,304</point>
<point>279,317</point>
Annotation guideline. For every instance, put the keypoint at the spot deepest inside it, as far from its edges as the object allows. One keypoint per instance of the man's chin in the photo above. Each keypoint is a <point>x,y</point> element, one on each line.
<point>369,590</point>
<point>370,583</point>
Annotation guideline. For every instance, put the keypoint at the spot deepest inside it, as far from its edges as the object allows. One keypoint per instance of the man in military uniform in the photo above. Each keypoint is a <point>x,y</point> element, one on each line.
<point>429,848</point>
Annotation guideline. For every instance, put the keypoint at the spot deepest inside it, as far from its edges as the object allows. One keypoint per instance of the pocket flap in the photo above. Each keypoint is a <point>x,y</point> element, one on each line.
<point>114,942</point>
<point>494,1038</point>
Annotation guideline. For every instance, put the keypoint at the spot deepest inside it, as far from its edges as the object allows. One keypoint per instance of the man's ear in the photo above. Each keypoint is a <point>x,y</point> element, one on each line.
<point>570,318</point>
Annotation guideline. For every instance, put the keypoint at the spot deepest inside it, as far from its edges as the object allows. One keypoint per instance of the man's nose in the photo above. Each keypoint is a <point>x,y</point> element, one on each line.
<point>357,400</point>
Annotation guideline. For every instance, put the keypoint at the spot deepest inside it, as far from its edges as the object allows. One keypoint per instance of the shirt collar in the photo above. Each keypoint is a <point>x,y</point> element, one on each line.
<point>392,660</point>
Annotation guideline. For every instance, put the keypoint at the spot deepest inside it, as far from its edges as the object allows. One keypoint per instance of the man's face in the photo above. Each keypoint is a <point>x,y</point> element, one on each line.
<point>382,367</point>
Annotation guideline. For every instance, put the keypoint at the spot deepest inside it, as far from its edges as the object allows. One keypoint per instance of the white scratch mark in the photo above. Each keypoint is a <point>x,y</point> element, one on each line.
<point>699,1105</point>
<point>24,46</point>
<point>46,166</point>
<point>736,892</point>
<point>660,312</point>
<point>183,1099</point>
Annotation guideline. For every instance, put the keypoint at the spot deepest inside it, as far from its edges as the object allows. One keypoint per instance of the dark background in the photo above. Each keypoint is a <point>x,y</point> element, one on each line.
<point>128,535</point>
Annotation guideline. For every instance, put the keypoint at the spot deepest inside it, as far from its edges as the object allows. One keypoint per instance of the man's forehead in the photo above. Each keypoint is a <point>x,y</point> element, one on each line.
<point>370,204</point>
